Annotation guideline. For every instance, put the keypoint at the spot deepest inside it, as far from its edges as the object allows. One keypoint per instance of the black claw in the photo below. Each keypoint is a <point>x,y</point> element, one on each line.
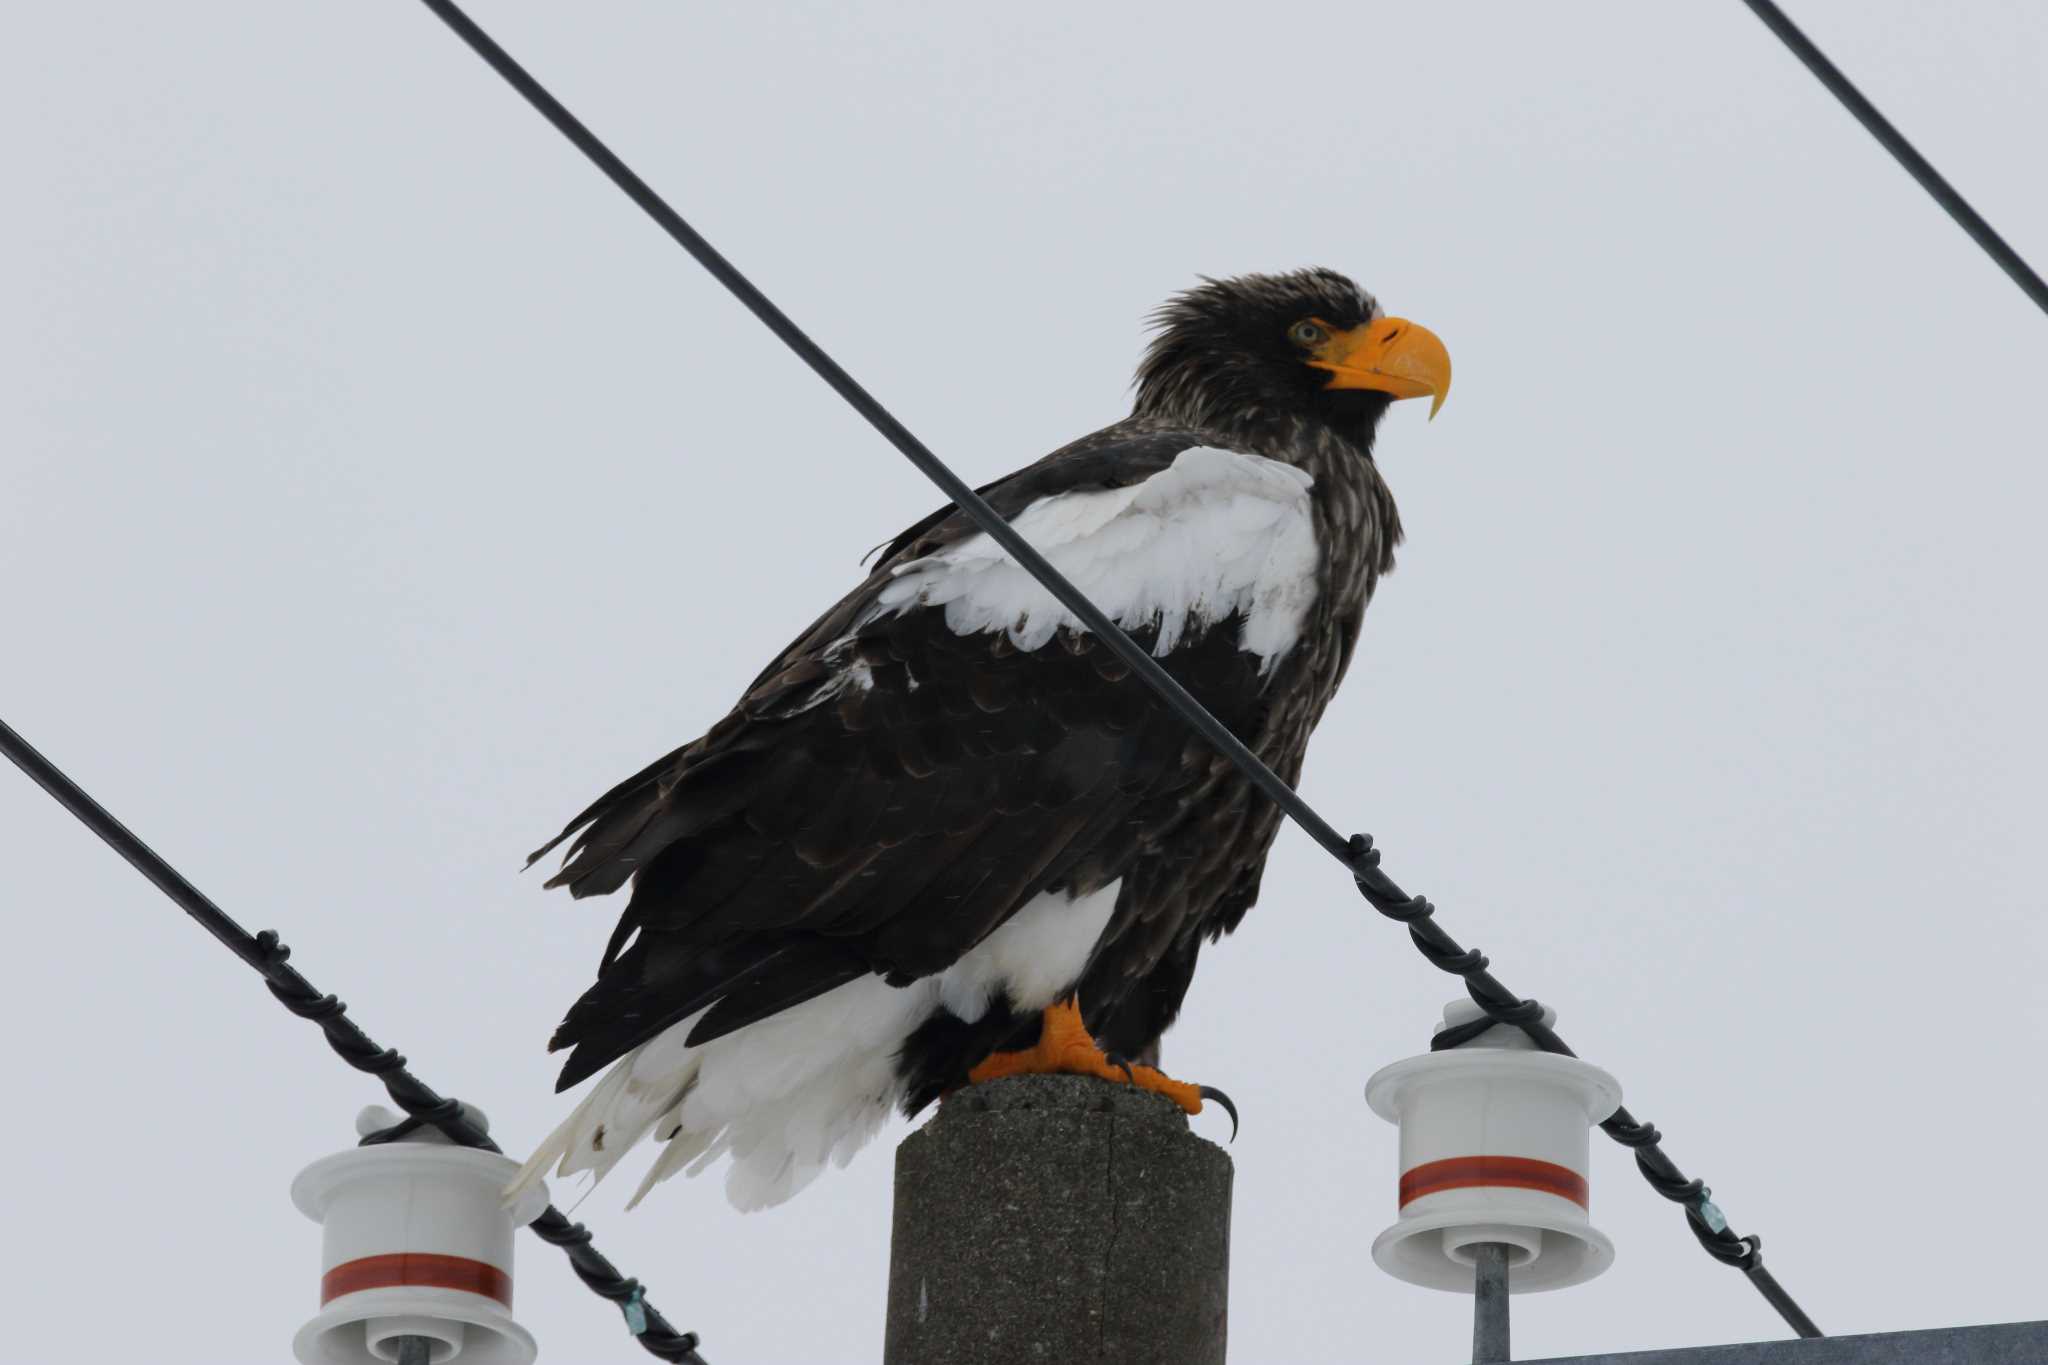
<point>1210,1092</point>
<point>1207,1092</point>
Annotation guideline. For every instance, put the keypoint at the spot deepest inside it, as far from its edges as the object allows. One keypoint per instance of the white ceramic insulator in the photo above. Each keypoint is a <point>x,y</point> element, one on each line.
<point>1495,1139</point>
<point>415,1241</point>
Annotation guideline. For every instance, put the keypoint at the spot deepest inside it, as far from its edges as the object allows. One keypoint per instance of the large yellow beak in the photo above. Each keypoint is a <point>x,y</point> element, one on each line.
<point>1392,355</point>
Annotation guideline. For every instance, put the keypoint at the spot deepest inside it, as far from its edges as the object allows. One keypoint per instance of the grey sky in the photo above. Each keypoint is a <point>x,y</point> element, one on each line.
<point>377,486</point>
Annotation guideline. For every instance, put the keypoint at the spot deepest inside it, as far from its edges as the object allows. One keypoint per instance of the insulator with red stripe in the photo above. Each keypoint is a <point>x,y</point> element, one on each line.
<point>416,1242</point>
<point>1494,1147</point>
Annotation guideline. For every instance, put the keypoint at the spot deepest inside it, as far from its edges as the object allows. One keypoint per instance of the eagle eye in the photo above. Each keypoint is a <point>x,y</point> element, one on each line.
<point>1308,333</point>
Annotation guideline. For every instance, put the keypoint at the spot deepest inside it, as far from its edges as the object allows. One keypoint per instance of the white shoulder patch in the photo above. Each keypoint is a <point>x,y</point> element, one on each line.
<point>1212,534</point>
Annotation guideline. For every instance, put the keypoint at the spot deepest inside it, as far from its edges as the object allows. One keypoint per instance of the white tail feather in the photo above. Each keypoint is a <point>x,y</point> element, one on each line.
<point>787,1095</point>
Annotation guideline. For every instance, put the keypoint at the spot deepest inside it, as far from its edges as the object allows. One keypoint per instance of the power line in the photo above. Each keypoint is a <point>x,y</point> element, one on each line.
<point>1893,141</point>
<point>421,1102</point>
<point>1357,854</point>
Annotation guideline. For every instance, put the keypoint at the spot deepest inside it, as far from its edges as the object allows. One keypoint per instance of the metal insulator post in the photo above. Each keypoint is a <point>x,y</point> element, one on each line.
<point>1489,1303</point>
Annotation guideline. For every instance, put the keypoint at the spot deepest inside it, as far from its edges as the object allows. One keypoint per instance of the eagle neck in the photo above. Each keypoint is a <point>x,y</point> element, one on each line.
<point>1357,523</point>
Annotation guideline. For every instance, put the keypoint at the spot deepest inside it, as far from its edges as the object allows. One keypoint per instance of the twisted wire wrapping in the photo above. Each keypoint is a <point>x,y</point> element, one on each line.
<point>268,955</point>
<point>423,1105</point>
<point>1503,1006</point>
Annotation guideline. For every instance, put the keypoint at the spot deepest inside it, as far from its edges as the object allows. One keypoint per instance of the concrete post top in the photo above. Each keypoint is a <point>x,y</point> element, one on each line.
<point>1056,1218</point>
<point>1061,1094</point>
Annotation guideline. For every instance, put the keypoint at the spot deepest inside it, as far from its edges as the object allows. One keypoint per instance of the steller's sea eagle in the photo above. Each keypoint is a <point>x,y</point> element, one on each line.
<point>945,835</point>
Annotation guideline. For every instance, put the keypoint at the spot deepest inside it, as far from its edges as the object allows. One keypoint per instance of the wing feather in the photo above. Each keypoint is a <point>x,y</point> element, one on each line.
<point>937,748</point>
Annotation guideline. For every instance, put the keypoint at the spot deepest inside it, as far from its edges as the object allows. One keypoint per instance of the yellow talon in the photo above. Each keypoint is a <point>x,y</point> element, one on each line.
<point>1066,1048</point>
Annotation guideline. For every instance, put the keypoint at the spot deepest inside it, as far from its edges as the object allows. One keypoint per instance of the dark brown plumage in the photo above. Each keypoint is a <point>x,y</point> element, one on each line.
<point>939,752</point>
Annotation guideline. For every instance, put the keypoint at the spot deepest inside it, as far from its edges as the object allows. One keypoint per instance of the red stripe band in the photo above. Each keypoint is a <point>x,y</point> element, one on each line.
<point>1475,1172</point>
<point>422,1268</point>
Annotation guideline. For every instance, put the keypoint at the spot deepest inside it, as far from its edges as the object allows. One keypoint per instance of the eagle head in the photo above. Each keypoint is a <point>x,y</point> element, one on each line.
<point>1259,352</point>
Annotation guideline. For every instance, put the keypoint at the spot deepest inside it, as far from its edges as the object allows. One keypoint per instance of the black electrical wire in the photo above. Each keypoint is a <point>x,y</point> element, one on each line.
<point>1357,853</point>
<point>419,1100</point>
<point>1893,141</point>
<point>884,421</point>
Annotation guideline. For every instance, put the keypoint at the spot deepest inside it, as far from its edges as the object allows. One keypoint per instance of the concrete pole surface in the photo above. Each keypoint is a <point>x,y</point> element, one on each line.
<point>1058,1219</point>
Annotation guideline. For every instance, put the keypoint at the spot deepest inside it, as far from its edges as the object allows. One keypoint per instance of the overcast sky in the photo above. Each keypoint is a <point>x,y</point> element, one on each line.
<point>379,486</point>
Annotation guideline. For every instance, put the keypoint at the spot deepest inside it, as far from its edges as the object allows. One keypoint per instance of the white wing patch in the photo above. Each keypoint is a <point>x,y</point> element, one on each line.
<point>1212,534</point>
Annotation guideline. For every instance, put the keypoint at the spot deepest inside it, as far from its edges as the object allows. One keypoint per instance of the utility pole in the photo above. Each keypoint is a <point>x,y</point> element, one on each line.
<point>1059,1218</point>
